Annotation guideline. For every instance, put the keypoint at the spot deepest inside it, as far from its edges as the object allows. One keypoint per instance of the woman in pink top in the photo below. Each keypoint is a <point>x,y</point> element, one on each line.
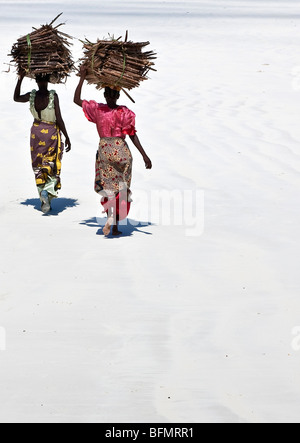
<point>114,159</point>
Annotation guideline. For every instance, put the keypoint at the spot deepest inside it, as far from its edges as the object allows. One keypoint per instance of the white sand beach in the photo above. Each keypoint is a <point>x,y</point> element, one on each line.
<point>193,315</point>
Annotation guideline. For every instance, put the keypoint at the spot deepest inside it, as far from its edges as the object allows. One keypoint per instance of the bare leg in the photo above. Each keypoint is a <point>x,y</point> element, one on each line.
<point>115,230</point>
<point>109,223</point>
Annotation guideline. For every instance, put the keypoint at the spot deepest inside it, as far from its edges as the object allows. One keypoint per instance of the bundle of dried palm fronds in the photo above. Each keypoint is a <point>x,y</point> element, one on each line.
<point>117,64</point>
<point>44,51</point>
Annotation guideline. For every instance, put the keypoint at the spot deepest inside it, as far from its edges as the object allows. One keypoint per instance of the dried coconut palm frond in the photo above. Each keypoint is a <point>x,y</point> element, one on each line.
<point>44,51</point>
<point>116,63</point>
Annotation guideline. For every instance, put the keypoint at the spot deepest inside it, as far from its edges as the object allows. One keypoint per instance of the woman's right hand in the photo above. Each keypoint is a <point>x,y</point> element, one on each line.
<point>21,73</point>
<point>83,71</point>
<point>148,162</point>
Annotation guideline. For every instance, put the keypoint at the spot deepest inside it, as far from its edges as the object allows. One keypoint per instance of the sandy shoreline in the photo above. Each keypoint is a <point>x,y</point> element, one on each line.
<point>161,326</point>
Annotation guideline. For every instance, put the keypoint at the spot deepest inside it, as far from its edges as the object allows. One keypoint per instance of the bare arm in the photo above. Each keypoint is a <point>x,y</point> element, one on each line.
<point>60,123</point>
<point>17,95</point>
<point>135,140</point>
<point>77,95</point>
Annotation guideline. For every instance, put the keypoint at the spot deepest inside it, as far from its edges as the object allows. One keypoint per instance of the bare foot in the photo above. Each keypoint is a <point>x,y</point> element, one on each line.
<point>107,227</point>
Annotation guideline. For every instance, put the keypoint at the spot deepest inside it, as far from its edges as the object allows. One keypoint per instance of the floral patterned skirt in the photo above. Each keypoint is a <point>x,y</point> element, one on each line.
<point>113,166</point>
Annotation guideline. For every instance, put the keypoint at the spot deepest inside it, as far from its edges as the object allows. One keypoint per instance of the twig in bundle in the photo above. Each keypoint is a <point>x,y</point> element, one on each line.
<point>9,66</point>
<point>50,24</point>
<point>126,93</point>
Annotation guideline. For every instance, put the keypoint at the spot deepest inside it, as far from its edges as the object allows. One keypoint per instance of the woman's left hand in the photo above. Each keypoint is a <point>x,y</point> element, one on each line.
<point>68,144</point>
<point>148,162</point>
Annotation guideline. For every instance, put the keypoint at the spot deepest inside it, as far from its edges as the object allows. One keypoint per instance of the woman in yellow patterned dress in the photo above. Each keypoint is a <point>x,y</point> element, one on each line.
<point>45,140</point>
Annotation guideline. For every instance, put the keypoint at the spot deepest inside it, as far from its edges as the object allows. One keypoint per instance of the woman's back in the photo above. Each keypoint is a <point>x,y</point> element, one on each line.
<point>38,109</point>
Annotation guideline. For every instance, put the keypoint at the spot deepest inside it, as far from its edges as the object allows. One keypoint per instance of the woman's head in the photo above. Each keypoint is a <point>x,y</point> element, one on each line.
<point>42,79</point>
<point>111,97</point>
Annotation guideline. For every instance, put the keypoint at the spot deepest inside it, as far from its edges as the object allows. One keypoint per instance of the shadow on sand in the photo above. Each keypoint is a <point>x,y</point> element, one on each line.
<point>59,205</point>
<point>127,227</point>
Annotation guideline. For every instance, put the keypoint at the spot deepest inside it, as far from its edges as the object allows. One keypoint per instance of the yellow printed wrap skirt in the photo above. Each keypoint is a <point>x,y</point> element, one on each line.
<point>46,153</point>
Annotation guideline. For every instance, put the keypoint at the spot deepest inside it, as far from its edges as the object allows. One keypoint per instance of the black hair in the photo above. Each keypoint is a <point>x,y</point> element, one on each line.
<point>112,93</point>
<point>42,78</point>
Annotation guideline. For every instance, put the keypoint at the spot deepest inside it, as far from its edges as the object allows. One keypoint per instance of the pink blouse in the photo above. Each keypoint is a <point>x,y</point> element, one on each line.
<point>117,122</point>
